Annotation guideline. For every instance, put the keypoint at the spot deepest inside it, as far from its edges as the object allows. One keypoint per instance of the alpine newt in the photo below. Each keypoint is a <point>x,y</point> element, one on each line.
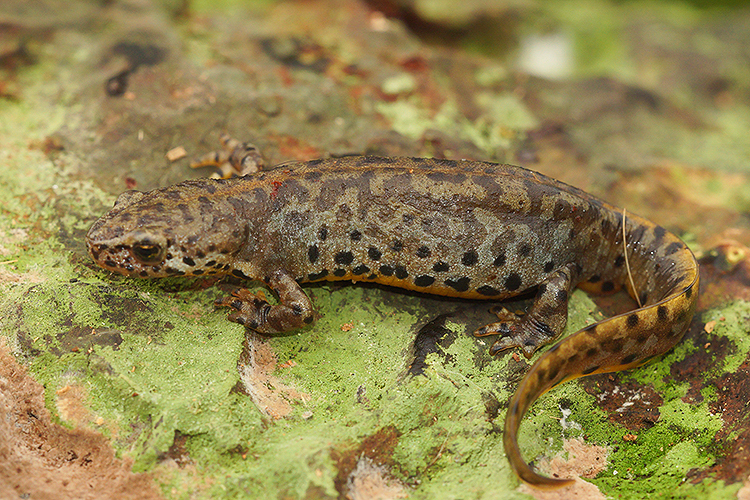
<point>466,229</point>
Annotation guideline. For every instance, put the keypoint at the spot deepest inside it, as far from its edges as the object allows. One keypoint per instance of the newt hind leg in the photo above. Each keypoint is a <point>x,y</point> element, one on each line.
<point>234,158</point>
<point>544,321</point>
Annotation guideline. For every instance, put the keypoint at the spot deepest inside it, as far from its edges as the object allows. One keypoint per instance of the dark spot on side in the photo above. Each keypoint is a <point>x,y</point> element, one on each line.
<point>323,233</point>
<point>239,274</point>
<point>423,252</point>
<point>469,258</point>
<point>188,261</point>
<point>643,297</point>
<point>308,319</point>
<point>424,280</point>
<point>659,233</point>
<point>401,272</point>
<point>198,272</point>
<point>513,282</point>
<point>619,261</point>
<point>499,260</point>
<point>386,270</point>
<point>688,292</point>
<point>397,246</point>
<point>361,269</point>
<point>595,279</point>
<point>561,296</point>
<point>297,309</point>
<point>636,235</point>
<point>672,248</point>
<point>459,285</point>
<point>613,345</point>
<point>524,250</point>
<point>313,253</point>
<point>488,291</point>
<point>590,353</point>
<point>608,286</point>
<point>591,369</point>
<point>440,267</point>
<point>662,313</point>
<point>343,258</point>
<point>549,266</point>
<point>355,235</point>
<point>339,273</point>
<point>374,253</point>
<point>632,320</point>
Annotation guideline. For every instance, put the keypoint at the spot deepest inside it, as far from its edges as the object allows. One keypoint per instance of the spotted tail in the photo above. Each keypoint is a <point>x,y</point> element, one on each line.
<point>618,343</point>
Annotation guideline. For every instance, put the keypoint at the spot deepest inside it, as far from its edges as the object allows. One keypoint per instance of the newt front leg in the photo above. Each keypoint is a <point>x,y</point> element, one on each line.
<point>253,310</point>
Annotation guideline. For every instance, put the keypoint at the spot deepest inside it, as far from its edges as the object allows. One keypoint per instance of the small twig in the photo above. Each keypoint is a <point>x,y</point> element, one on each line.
<point>437,456</point>
<point>627,262</point>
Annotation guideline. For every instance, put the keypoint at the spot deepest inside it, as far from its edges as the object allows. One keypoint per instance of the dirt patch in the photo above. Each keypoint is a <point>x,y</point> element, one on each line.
<point>627,403</point>
<point>733,392</point>
<point>370,481</point>
<point>256,366</point>
<point>360,466</point>
<point>583,460</point>
<point>40,459</point>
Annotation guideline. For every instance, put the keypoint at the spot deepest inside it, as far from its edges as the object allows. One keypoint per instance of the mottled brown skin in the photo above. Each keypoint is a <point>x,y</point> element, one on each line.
<point>457,228</point>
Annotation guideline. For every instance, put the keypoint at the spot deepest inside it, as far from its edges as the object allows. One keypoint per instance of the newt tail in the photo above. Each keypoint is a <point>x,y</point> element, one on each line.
<point>619,343</point>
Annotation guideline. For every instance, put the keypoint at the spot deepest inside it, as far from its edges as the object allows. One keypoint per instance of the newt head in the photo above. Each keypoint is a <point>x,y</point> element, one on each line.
<point>165,232</point>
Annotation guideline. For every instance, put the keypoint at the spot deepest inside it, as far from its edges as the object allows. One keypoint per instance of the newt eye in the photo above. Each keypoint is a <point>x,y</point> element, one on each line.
<point>148,253</point>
